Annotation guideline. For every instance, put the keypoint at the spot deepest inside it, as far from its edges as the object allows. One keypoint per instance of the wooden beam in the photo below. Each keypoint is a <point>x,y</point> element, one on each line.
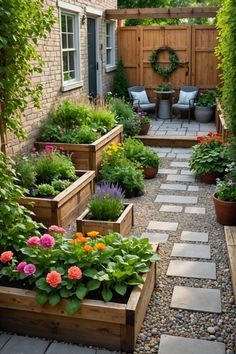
<point>174,12</point>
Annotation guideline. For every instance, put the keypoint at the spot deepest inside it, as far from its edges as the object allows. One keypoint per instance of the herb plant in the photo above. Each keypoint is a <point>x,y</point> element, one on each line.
<point>226,188</point>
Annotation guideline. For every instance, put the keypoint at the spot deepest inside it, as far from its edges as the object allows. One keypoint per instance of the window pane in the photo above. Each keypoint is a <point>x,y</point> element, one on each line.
<point>64,45</point>
<point>72,75</point>
<point>71,61</point>
<point>108,56</point>
<point>108,41</point>
<point>70,24</point>
<point>70,41</point>
<point>63,23</point>
<point>65,62</point>
<point>108,29</point>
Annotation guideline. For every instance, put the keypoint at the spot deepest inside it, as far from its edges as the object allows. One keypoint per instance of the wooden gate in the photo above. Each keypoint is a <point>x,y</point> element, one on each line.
<point>194,46</point>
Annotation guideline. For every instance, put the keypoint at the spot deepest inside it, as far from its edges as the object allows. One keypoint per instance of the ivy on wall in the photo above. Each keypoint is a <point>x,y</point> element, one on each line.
<point>226,52</point>
<point>22,24</point>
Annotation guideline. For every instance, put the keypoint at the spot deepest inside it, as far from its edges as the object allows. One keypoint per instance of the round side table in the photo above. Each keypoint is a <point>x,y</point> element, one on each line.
<point>164,110</point>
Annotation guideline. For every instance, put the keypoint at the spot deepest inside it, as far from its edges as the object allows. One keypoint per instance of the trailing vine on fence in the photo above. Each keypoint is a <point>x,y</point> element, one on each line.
<point>164,71</point>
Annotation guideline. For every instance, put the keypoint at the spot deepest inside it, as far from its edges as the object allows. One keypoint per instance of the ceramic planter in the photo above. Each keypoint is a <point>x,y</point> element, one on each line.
<point>64,208</point>
<point>122,225</point>
<point>150,172</point>
<point>210,178</point>
<point>225,211</point>
<point>88,156</point>
<point>144,129</point>
<point>203,114</point>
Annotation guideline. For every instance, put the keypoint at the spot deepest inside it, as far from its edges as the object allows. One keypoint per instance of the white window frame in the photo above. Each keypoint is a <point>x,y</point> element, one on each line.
<point>71,10</point>
<point>111,66</point>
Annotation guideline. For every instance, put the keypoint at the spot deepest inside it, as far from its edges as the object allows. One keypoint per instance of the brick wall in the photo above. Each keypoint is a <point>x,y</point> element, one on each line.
<point>51,77</point>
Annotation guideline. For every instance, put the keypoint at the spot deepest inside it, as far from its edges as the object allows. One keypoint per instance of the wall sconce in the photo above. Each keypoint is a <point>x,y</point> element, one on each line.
<point>83,19</point>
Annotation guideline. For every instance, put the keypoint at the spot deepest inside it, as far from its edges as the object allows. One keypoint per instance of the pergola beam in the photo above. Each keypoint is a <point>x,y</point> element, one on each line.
<point>174,12</point>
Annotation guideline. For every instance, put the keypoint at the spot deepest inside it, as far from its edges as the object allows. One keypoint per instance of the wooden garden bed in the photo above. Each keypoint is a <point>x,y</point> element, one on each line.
<point>111,325</point>
<point>63,209</point>
<point>122,225</point>
<point>88,156</point>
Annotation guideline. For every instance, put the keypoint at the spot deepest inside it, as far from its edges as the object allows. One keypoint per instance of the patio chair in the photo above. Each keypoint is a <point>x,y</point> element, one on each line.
<point>139,99</point>
<point>186,100</point>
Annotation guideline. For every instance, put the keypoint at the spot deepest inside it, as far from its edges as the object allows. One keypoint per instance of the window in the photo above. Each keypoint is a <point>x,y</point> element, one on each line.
<point>70,46</point>
<point>110,45</point>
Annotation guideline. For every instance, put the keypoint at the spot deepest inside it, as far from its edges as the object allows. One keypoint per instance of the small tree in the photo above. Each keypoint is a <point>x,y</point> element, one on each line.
<point>120,84</point>
<point>22,24</point>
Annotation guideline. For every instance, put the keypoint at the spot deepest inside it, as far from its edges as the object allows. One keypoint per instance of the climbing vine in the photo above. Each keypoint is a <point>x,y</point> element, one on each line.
<point>22,24</point>
<point>174,61</point>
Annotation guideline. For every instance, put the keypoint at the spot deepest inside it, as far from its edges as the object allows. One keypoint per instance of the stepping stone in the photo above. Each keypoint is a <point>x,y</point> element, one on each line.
<point>170,155</point>
<point>179,164</point>
<point>187,172</point>
<point>190,251</point>
<point>181,178</point>
<point>171,208</point>
<point>176,199</point>
<point>188,269</point>
<point>62,348</point>
<point>161,154</point>
<point>167,171</point>
<point>181,150</point>
<point>195,210</point>
<point>193,188</point>
<point>180,345</point>
<point>4,337</point>
<point>162,225</point>
<point>194,236</point>
<point>174,187</point>
<point>155,237</point>
<point>162,149</point>
<point>183,156</point>
<point>196,299</point>
<point>25,345</point>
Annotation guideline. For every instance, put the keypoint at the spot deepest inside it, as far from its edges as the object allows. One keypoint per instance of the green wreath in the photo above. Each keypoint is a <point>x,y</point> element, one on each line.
<point>174,61</point>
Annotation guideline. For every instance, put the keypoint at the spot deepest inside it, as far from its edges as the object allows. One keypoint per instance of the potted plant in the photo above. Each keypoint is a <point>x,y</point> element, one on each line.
<point>55,191</point>
<point>76,289</point>
<point>204,106</point>
<point>107,211</point>
<point>164,87</point>
<point>81,130</point>
<point>225,197</point>
<point>209,157</point>
<point>145,122</point>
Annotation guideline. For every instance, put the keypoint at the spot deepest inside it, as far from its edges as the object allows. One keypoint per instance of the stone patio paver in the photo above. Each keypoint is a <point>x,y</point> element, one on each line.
<point>195,210</point>
<point>194,236</point>
<point>63,348</point>
<point>193,189</point>
<point>162,225</point>
<point>155,237</point>
<point>187,172</point>
<point>180,178</point>
<point>179,164</point>
<point>181,345</point>
<point>167,171</point>
<point>183,156</point>
<point>25,345</point>
<point>196,299</point>
<point>189,269</point>
<point>170,155</point>
<point>188,250</point>
<point>171,208</point>
<point>181,150</point>
<point>176,199</point>
<point>4,337</point>
<point>174,187</point>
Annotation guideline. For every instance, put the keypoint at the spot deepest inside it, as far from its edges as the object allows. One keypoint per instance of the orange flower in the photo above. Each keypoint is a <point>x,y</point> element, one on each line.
<point>100,246</point>
<point>74,273</point>
<point>6,256</point>
<point>53,279</point>
<point>79,234</point>
<point>82,239</point>
<point>87,248</point>
<point>93,234</point>
<point>74,241</point>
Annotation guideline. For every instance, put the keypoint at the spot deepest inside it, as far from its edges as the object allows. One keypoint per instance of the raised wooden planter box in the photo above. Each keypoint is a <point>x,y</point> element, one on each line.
<point>122,225</point>
<point>88,156</point>
<point>111,325</point>
<point>63,209</point>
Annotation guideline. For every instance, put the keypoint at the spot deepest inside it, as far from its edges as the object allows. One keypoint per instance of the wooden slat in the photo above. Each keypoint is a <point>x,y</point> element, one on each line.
<point>175,12</point>
<point>230,237</point>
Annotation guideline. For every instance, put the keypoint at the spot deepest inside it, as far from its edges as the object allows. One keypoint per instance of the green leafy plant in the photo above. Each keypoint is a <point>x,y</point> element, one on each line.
<point>206,99</point>
<point>84,135</point>
<point>226,188</point>
<point>60,268</point>
<point>136,151</point>
<point>209,155</point>
<point>45,190</point>
<point>164,87</point>
<point>120,83</point>
<point>60,185</point>
<point>102,119</point>
<point>16,224</point>
<point>23,23</point>
<point>144,118</point>
<point>25,172</point>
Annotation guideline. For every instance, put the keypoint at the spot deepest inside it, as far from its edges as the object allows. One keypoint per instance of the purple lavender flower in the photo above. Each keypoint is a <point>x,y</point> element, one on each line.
<point>111,189</point>
<point>47,241</point>
<point>20,267</point>
<point>29,269</point>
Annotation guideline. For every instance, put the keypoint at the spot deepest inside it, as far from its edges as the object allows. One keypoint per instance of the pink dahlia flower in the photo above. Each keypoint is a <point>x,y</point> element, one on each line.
<point>47,241</point>
<point>20,267</point>
<point>33,241</point>
<point>29,269</point>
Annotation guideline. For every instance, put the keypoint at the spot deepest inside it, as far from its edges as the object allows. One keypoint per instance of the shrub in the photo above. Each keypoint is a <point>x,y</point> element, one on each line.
<point>59,185</point>
<point>136,151</point>
<point>102,119</point>
<point>50,131</point>
<point>84,135</point>
<point>45,190</point>
<point>120,84</point>
<point>25,172</point>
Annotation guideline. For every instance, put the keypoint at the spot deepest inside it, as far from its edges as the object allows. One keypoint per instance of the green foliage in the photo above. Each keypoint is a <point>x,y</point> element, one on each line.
<point>164,87</point>
<point>120,84</point>
<point>136,151</point>
<point>102,119</point>
<point>45,190</point>
<point>161,70</point>
<point>105,208</point>
<point>25,172</point>
<point>226,52</point>
<point>50,131</point>
<point>22,24</point>
<point>84,135</point>
<point>226,189</point>
<point>60,185</point>
<point>16,224</point>
<point>206,99</point>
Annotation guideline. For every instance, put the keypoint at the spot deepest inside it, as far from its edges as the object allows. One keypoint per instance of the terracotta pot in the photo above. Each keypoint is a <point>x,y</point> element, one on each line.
<point>150,172</point>
<point>144,129</point>
<point>210,178</point>
<point>225,211</point>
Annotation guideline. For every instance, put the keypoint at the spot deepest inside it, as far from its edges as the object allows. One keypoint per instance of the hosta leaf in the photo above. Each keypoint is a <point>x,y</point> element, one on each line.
<point>107,295</point>
<point>93,284</point>
<point>121,289</point>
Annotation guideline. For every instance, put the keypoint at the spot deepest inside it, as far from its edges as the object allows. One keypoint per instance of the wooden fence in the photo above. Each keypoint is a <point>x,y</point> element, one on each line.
<point>194,46</point>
